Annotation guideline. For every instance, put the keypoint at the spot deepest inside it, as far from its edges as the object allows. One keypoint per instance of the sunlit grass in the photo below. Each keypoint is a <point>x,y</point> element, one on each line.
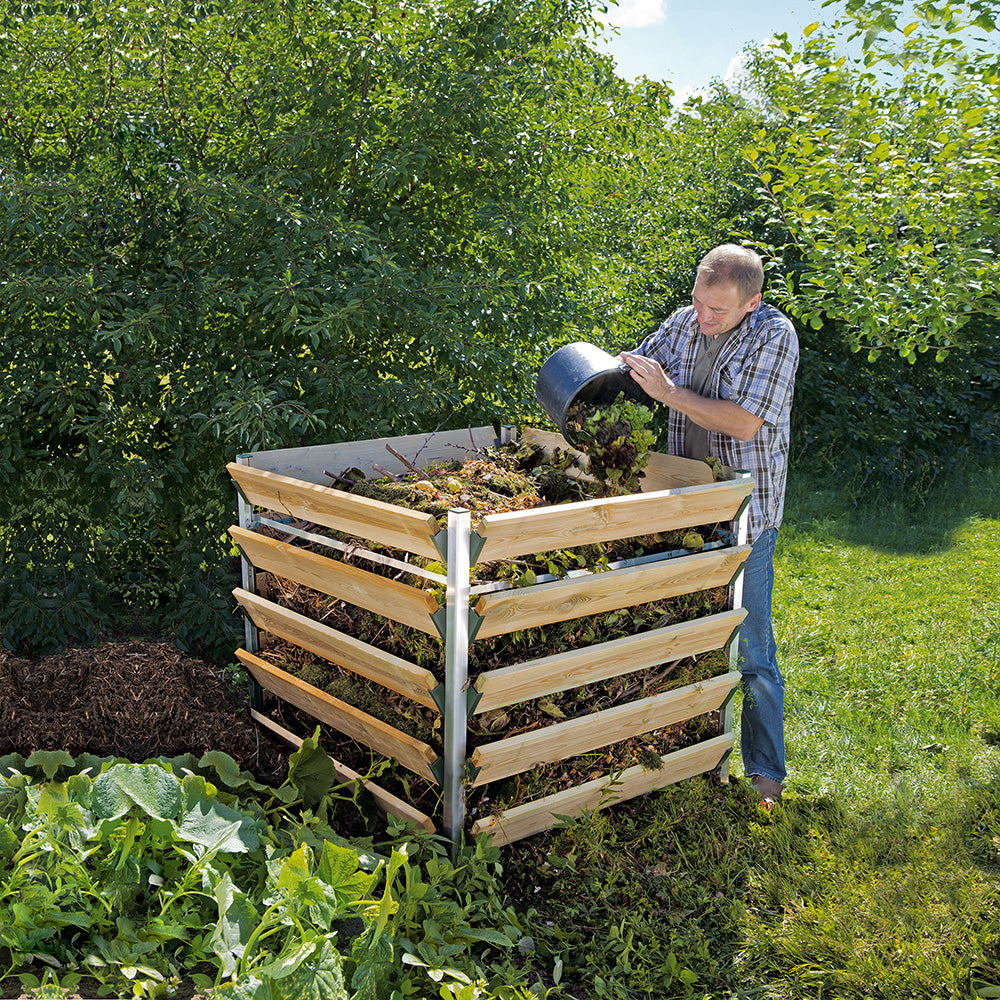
<point>879,876</point>
<point>888,629</point>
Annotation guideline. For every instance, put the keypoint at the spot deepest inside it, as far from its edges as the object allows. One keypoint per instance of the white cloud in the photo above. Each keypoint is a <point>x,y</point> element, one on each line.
<point>635,13</point>
<point>737,69</point>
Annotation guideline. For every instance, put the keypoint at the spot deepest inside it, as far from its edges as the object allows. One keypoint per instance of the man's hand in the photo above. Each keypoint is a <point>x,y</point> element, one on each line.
<point>720,415</point>
<point>652,379</point>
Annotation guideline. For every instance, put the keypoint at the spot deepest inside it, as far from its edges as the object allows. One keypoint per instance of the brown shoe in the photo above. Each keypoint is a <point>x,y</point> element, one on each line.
<point>769,791</point>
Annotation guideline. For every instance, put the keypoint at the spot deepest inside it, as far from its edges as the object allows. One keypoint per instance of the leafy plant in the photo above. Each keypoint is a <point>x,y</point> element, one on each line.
<point>135,873</point>
<point>616,439</point>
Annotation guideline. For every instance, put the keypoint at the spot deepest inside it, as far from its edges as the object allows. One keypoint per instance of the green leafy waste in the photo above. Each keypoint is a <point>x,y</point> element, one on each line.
<point>134,874</point>
<point>616,439</point>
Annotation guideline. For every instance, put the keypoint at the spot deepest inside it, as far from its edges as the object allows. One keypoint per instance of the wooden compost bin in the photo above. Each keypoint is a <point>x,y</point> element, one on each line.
<point>285,490</point>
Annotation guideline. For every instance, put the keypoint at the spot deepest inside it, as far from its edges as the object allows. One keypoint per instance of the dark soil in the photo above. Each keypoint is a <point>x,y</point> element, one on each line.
<point>137,700</point>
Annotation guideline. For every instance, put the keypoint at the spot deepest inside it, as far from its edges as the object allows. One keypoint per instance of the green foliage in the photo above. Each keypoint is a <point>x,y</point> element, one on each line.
<point>242,226</point>
<point>139,873</point>
<point>876,174</point>
<point>237,226</point>
<point>453,917</point>
<point>617,441</point>
<point>880,173</point>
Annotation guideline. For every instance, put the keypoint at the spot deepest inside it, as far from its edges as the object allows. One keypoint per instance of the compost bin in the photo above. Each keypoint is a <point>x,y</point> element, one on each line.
<point>359,553</point>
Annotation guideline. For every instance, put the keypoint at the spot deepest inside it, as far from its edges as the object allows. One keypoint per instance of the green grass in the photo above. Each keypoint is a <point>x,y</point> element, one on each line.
<point>888,629</point>
<point>887,620</point>
<point>878,876</point>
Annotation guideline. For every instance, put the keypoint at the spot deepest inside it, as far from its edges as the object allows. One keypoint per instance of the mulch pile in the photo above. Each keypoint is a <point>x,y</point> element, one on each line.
<point>136,700</point>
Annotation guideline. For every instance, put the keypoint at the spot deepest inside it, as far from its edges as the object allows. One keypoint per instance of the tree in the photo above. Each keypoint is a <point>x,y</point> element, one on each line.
<point>235,226</point>
<point>881,172</point>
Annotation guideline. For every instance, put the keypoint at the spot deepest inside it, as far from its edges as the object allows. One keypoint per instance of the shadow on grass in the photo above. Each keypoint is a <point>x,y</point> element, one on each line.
<point>898,522</point>
<point>694,891</point>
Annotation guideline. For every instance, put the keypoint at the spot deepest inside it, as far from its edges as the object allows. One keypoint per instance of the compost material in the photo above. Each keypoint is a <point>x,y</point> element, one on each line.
<point>136,700</point>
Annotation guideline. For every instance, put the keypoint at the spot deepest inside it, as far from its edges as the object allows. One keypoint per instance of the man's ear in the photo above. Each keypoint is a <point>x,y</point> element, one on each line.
<point>754,302</point>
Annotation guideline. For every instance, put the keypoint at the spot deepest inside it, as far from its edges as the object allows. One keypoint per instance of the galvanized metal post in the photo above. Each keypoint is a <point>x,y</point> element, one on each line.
<point>249,578</point>
<point>456,665</point>
<point>741,530</point>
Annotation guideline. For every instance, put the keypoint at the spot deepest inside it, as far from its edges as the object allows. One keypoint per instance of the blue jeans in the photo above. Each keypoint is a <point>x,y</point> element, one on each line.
<point>762,736</point>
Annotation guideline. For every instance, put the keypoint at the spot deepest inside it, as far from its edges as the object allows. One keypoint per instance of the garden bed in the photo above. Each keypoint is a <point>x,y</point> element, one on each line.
<point>584,649</point>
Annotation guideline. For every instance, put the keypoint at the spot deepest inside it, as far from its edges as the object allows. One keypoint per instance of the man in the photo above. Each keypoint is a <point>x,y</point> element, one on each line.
<point>725,365</point>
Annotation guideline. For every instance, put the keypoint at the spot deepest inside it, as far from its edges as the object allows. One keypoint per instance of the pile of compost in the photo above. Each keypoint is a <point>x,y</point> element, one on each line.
<point>137,700</point>
<point>512,478</point>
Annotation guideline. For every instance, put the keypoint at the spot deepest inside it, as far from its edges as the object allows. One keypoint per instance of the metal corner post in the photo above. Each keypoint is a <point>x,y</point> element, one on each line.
<point>741,529</point>
<point>249,578</point>
<point>456,664</point>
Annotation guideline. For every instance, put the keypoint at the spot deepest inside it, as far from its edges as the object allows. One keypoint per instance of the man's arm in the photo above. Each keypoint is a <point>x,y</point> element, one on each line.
<point>720,415</point>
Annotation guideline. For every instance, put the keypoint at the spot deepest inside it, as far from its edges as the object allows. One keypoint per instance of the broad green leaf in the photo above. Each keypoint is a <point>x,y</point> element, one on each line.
<point>217,827</point>
<point>237,920</point>
<point>311,771</point>
<point>155,791</point>
<point>486,935</point>
<point>338,868</point>
<point>50,761</point>
<point>371,958</point>
<point>12,762</point>
<point>227,770</point>
<point>246,988</point>
<point>321,978</point>
<point>291,957</point>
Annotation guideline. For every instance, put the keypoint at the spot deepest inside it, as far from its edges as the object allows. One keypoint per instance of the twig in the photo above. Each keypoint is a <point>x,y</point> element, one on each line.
<point>413,468</point>
<point>385,472</point>
<point>340,479</point>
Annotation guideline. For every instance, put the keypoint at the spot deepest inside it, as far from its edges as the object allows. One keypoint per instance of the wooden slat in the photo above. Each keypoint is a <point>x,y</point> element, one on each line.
<point>589,521</point>
<point>663,472</point>
<point>533,817</point>
<point>385,801</point>
<point>510,610</point>
<point>669,472</point>
<point>379,594</point>
<point>352,654</point>
<point>309,464</point>
<point>599,729</point>
<point>576,667</point>
<point>352,722</point>
<point>365,518</point>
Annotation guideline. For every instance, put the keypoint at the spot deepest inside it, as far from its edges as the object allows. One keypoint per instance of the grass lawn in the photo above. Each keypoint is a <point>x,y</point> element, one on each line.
<point>887,620</point>
<point>878,876</point>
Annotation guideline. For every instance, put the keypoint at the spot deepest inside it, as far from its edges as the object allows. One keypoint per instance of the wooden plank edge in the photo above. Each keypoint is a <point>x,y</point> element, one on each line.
<point>386,802</point>
<point>546,675</point>
<point>341,581</point>
<point>600,729</point>
<point>396,674</point>
<point>534,817</point>
<point>543,604</point>
<point>365,517</point>
<point>540,529</point>
<point>411,753</point>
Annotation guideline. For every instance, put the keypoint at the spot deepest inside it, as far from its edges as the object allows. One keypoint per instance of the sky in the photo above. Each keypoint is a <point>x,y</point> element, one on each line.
<point>688,43</point>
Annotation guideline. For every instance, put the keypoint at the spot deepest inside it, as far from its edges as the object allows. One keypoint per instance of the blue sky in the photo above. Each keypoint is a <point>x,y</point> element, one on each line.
<point>687,43</point>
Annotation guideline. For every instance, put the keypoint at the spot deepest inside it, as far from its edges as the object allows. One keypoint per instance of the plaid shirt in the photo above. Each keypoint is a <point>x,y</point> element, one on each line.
<point>756,370</point>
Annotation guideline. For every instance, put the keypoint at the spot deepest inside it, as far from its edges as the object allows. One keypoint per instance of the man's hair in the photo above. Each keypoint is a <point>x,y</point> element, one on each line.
<point>732,264</point>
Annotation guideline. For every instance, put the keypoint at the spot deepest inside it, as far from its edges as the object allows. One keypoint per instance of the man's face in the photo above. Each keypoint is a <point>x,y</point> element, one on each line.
<point>718,307</point>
